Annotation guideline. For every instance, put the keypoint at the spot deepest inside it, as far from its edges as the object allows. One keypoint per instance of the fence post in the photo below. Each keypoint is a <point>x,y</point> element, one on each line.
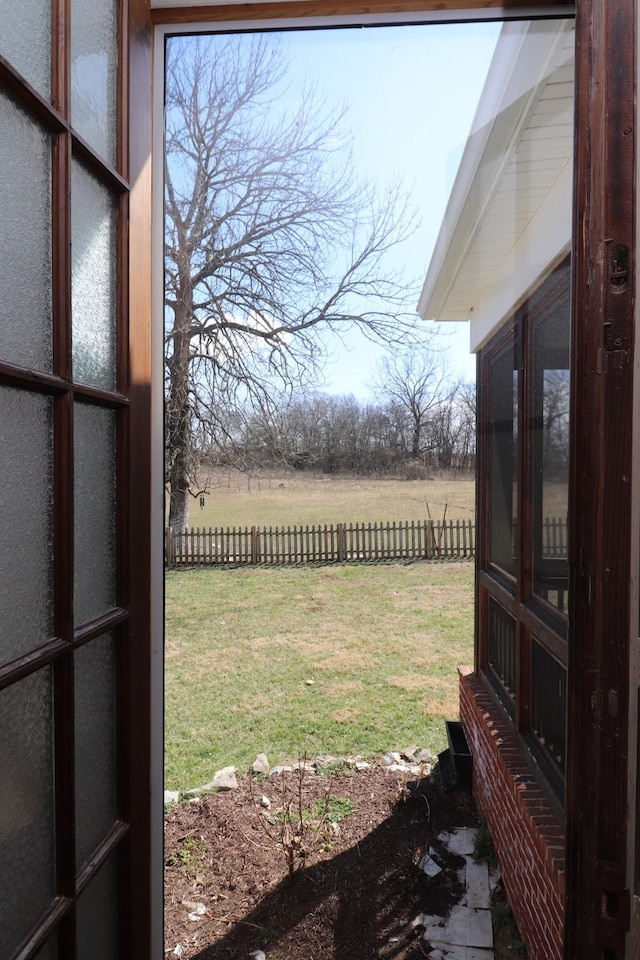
<point>254,544</point>
<point>428,539</point>
<point>341,544</point>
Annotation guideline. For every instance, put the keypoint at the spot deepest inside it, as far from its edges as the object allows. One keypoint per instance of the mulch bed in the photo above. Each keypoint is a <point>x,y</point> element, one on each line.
<point>354,890</point>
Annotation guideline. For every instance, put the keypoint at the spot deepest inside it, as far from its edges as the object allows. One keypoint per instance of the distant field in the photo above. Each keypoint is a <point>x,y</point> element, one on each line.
<point>287,499</point>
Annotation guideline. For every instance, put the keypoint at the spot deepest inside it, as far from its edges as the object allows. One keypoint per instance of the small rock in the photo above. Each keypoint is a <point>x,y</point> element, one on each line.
<point>274,771</point>
<point>261,764</point>
<point>171,796</point>
<point>307,765</point>
<point>324,760</point>
<point>309,682</point>
<point>390,758</point>
<point>265,802</point>
<point>409,753</point>
<point>361,765</point>
<point>422,756</point>
<point>397,767</point>
<point>258,955</point>
<point>178,950</point>
<point>225,779</point>
<point>198,908</point>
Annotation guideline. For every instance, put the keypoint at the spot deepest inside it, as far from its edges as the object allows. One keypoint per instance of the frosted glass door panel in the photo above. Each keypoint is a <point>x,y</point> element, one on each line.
<point>25,240</point>
<point>97,916</point>
<point>27,864</point>
<point>93,282</point>
<point>25,41</point>
<point>94,579</point>
<point>26,533</point>
<point>94,81</point>
<point>94,744</point>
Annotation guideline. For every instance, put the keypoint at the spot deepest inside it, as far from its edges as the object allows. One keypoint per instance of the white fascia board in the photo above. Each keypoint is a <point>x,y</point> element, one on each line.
<point>522,59</point>
<point>544,243</point>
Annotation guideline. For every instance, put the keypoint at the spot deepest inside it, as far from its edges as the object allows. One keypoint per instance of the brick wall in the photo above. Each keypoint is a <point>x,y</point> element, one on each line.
<point>528,839</point>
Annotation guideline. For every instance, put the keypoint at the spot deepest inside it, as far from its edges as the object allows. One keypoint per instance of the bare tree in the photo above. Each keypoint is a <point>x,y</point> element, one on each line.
<point>270,241</point>
<point>416,384</point>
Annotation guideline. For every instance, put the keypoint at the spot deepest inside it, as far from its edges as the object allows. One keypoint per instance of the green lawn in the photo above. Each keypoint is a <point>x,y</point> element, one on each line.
<point>380,643</point>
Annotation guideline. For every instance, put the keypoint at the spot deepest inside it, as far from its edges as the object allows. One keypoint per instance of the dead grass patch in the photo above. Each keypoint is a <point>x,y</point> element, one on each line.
<point>345,715</point>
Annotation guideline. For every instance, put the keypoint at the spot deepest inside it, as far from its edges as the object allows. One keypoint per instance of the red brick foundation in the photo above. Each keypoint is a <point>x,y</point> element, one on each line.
<point>528,839</point>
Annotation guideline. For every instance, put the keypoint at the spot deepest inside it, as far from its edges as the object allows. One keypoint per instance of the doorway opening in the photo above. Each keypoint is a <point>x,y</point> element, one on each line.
<point>329,667</point>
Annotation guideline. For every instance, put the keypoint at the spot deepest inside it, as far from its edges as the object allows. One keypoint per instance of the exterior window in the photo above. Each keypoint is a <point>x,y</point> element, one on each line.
<point>524,582</point>
<point>550,440</point>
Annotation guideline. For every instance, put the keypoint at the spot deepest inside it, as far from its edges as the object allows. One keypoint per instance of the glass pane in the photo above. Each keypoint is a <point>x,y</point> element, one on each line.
<point>25,240</point>
<point>503,402</point>
<point>26,532</point>
<point>548,703</point>
<point>27,864</point>
<point>97,916</point>
<point>94,74</point>
<point>25,41</point>
<point>94,579</point>
<point>94,744</point>
<point>93,290</point>
<point>551,317</point>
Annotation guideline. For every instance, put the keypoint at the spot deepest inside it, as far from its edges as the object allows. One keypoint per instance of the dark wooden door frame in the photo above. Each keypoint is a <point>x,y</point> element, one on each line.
<point>601,547</point>
<point>602,542</point>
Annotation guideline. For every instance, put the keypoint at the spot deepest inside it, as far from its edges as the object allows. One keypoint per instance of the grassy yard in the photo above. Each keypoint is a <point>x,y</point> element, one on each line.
<point>335,659</point>
<point>295,498</point>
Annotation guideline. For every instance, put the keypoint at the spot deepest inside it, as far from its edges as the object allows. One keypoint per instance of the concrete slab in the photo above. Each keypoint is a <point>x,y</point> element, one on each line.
<point>463,927</point>
<point>460,842</point>
<point>449,952</point>
<point>479,929</point>
<point>478,893</point>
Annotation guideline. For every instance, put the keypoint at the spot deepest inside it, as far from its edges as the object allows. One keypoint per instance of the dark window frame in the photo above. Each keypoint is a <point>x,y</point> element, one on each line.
<point>509,593</point>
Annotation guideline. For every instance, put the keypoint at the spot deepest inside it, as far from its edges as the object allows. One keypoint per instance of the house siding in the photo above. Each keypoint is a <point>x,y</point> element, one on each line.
<point>528,838</point>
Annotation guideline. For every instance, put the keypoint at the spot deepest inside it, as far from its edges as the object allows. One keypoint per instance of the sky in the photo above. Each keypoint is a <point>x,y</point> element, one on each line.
<point>412,93</point>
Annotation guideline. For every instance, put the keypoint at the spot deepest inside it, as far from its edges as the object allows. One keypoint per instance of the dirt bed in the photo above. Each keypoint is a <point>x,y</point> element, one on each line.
<point>334,878</point>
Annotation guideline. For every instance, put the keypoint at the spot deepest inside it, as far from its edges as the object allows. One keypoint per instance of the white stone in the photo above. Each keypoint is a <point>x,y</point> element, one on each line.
<point>171,796</point>
<point>260,764</point>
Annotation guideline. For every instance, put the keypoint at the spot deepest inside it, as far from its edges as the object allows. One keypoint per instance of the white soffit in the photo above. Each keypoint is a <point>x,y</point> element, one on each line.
<point>509,214</point>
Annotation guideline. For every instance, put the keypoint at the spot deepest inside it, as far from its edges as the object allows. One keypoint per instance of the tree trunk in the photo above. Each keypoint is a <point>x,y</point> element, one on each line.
<point>178,414</point>
<point>179,496</point>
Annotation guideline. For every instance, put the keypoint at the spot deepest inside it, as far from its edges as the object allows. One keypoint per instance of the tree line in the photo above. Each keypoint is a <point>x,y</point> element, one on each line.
<point>329,434</point>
